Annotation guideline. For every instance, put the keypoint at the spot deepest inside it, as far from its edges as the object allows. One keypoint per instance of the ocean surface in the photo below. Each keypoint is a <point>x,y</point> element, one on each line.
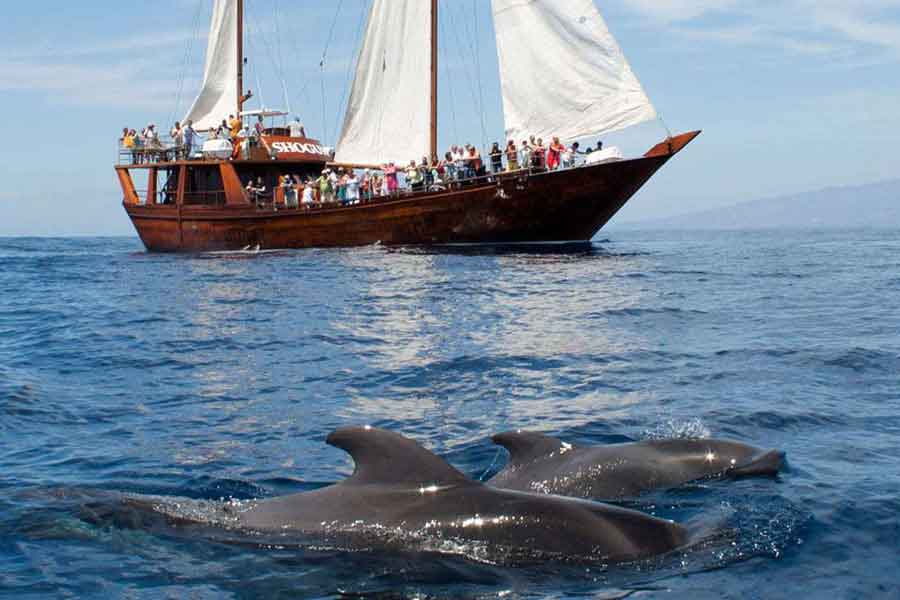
<point>218,377</point>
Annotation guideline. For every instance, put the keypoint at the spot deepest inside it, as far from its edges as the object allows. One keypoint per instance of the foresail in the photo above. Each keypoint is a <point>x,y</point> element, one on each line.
<point>218,96</point>
<point>388,116</point>
<point>563,73</point>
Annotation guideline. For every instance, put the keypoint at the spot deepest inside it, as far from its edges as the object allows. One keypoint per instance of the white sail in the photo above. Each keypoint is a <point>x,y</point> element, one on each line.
<point>218,97</point>
<point>563,73</point>
<point>389,113</point>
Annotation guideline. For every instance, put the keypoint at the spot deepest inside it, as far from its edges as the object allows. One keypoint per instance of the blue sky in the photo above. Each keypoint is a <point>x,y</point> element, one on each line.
<point>792,95</point>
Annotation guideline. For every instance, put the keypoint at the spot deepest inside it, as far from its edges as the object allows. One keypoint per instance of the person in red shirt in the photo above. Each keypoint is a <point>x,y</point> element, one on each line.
<point>554,154</point>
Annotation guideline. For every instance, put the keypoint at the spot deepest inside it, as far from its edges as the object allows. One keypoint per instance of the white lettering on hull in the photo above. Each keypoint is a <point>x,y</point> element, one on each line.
<point>298,148</point>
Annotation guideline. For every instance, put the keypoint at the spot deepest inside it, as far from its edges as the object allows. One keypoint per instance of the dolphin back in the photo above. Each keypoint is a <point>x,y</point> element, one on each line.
<point>527,446</point>
<point>385,457</point>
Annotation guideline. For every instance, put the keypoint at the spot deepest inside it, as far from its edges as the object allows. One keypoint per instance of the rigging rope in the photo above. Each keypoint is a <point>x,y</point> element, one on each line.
<point>351,69</point>
<point>459,48</point>
<point>277,17</point>
<point>271,55</point>
<point>259,90</point>
<point>322,67</point>
<point>444,62</point>
<point>478,71</point>
<point>186,59</point>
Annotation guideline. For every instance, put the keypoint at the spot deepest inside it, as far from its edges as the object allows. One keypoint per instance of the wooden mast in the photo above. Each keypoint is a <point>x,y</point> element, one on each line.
<point>240,57</point>
<point>434,79</point>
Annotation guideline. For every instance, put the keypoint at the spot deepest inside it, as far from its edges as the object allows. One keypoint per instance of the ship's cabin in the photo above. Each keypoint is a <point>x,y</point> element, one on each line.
<point>217,170</point>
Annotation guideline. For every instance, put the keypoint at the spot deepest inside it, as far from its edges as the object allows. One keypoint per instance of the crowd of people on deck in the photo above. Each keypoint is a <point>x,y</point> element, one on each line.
<point>348,186</point>
<point>461,165</point>
<point>465,163</point>
<point>147,146</point>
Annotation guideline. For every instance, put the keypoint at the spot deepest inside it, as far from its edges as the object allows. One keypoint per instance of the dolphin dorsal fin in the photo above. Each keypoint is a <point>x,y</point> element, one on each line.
<point>386,457</point>
<point>527,446</point>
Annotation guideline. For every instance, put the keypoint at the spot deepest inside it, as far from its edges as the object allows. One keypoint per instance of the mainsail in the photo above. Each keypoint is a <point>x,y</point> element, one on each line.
<point>219,95</point>
<point>562,72</point>
<point>389,114</point>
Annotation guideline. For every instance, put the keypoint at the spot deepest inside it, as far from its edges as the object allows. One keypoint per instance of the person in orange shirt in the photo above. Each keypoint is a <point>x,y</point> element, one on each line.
<point>234,124</point>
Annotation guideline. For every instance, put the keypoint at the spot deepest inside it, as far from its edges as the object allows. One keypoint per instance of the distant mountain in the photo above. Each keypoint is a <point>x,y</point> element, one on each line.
<point>873,205</point>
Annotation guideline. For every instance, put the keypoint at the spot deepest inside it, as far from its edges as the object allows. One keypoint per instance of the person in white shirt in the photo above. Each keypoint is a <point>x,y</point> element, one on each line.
<point>460,160</point>
<point>352,193</point>
<point>308,197</point>
<point>151,136</point>
<point>189,136</point>
<point>525,152</point>
<point>568,158</point>
<point>296,128</point>
<point>177,135</point>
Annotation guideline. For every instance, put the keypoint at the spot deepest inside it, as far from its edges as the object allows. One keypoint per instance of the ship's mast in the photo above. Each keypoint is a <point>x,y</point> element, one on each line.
<point>434,78</point>
<point>240,57</point>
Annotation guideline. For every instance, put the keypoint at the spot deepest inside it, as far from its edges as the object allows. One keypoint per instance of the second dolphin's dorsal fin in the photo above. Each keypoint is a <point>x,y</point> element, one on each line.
<point>386,457</point>
<point>527,446</point>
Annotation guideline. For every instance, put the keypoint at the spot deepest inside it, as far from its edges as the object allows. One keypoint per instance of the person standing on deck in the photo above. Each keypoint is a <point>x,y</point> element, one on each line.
<point>526,155</point>
<point>336,177</point>
<point>459,157</point>
<point>234,125</point>
<point>366,185</point>
<point>449,168</point>
<point>341,185</point>
<point>308,196</point>
<point>127,141</point>
<point>260,126</point>
<point>539,155</point>
<point>296,128</point>
<point>425,173</point>
<point>554,154</point>
<point>476,165</point>
<point>568,157</point>
<point>413,176</point>
<point>512,156</point>
<point>177,135</point>
<point>151,136</point>
<point>290,194</point>
<point>137,153</point>
<point>352,188</point>
<point>390,178</point>
<point>496,158</point>
<point>322,184</point>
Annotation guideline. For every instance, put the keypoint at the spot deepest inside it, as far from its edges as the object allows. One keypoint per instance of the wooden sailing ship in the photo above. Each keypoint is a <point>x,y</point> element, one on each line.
<point>195,204</point>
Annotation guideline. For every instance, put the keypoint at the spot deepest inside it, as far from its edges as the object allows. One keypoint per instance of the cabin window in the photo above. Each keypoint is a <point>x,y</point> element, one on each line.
<point>204,186</point>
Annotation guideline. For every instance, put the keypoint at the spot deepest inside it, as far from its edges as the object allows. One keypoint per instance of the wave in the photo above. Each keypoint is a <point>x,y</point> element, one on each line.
<point>641,312</point>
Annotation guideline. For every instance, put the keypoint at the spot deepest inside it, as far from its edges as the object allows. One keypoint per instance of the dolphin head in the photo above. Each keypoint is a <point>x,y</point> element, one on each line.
<point>735,459</point>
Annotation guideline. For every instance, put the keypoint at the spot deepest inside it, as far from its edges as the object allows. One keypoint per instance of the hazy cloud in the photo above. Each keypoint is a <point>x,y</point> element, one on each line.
<point>849,29</point>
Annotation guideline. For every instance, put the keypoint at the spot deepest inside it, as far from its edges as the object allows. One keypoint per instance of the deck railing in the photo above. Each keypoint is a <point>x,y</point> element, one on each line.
<point>166,150</point>
<point>265,201</point>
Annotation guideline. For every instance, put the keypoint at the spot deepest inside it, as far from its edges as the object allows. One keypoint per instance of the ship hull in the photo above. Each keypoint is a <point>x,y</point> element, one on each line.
<point>556,206</point>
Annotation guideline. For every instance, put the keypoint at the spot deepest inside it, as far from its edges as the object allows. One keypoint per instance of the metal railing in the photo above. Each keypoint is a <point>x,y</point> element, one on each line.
<point>164,150</point>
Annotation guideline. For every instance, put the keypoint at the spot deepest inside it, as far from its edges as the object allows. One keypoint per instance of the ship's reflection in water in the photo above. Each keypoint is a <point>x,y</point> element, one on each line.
<point>485,337</point>
<point>447,344</point>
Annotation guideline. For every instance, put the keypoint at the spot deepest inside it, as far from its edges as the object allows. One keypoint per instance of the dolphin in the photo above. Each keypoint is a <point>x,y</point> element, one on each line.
<point>543,464</point>
<point>401,496</point>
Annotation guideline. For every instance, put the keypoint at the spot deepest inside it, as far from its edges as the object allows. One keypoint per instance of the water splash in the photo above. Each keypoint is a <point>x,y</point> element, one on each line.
<point>675,429</point>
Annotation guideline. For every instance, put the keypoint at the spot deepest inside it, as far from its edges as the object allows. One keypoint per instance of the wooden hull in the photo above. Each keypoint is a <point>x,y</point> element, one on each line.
<point>558,206</point>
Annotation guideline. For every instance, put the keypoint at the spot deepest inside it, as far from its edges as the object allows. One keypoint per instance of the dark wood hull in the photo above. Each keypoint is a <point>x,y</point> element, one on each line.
<point>557,206</point>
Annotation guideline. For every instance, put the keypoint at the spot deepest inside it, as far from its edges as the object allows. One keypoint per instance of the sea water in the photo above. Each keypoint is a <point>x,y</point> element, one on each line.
<point>217,377</point>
